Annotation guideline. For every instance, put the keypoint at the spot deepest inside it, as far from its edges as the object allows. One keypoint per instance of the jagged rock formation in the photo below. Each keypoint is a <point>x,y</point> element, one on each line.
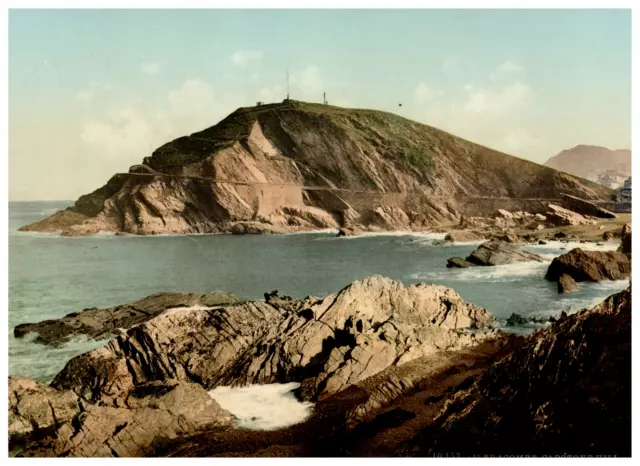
<point>299,166</point>
<point>590,266</point>
<point>102,323</point>
<point>559,216</point>
<point>44,421</point>
<point>327,344</point>
<point>591,161</point>
<point>566,392</point>
<point>494,253</point>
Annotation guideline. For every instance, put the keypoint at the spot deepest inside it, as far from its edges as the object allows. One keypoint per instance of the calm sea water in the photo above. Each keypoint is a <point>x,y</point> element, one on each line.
<point>51,276</point>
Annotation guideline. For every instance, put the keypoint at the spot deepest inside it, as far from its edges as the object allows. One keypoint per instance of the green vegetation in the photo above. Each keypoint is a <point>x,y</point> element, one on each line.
<point>421,160</point>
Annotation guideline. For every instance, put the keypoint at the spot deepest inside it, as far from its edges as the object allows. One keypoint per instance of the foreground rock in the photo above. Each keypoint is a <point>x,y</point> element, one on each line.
<point>102,323</point>
<point>327,344</point>
<point>345,231</point>
<point>494,253</point>
<point>47,422</point>
<point>590,266</point>
<point>625,234</point>
<point>566,392</point>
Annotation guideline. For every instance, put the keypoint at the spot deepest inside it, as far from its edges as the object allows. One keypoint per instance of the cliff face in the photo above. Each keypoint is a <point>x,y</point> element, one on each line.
<point>297,166</point>
<point>592,161</point>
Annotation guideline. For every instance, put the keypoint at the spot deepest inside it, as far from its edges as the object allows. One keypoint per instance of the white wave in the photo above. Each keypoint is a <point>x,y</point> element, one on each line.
<point>568,246</point>
<point>498,273</point>
<point>263,407</point>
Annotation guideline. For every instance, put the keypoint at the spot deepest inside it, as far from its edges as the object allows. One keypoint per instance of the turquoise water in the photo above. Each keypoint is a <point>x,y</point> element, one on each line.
<point>51,276</point>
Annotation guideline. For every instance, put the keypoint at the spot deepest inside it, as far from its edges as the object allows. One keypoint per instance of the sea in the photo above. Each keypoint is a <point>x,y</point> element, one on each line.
<point>51,276</point>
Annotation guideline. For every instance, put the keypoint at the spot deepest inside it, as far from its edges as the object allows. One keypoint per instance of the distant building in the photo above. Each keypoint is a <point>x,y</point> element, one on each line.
<point>623,197</point>
<point>611,179</point>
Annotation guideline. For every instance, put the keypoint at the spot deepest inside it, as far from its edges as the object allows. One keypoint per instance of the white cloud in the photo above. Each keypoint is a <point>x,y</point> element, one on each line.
<point>507,70</point>
<point>422,92</point>
<point>308,81</point>
<point>496,112</point>
<point>150,68</point>
<point>497,102</point>
<point>130,133</point>
<point>90,92</point>
<point>448,65</point>
<point>271,94</point>
<point>242,58</point>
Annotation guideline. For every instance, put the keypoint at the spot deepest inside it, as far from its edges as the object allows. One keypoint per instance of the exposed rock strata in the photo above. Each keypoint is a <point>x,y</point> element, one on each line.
<point>50,422</point>
<point>494,253</point>
<point>566,392</point>
<point>297,166</point>
<point>326,344</point>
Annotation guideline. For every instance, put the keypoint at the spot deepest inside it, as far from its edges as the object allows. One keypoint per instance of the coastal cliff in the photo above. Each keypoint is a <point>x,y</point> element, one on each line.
<point>298,166</point>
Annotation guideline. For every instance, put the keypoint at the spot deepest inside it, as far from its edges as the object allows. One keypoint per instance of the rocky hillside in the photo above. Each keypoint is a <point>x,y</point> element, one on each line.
<point>300,166</point>
<point>592,161</point>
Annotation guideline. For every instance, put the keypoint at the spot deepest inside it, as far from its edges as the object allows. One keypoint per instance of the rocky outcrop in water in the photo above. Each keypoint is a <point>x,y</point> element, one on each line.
<point>494,253</point>
<point>590,266</point>
<point>566,284</point>
<point>567,391</point>
<point>327,344</point>
<point>44,421</point>
<point>103,323</point>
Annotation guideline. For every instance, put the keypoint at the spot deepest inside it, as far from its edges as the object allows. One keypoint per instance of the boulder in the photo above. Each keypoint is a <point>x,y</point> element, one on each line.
<point>566,284</point>
<point>542,242</point>
<point>626,230</point>
<point>540,218</point>
<point>327,344</point>
<point>590,266</point>
<point>559,216</point>
<point>153,414</point>
<point>99,324</point>
<point>459,263</point>
<point>560,235</point>
<point>345,231</point>
<point>506,237</point>
<point>607,236</point>
<point>566,392</point>
<point>625,234</point>
<point>585,207</point>
<point>499,253</point>
<point>462,236</point>
<point>501,213</point>
<point>539,227</point>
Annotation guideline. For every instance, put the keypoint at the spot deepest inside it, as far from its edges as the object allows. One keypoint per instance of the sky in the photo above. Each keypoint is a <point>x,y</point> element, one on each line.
<point>92,92</point>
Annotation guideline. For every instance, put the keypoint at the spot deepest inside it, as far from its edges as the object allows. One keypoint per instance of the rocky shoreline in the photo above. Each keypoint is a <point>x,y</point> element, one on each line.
<point>392,370</point>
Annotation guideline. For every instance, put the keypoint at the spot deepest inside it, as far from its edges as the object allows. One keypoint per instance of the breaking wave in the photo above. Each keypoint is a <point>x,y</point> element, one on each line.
<point>263,407</point>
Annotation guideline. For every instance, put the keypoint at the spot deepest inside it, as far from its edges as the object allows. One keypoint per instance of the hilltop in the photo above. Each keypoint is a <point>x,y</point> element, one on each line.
<point>298,166</point>
<point>592,162</point>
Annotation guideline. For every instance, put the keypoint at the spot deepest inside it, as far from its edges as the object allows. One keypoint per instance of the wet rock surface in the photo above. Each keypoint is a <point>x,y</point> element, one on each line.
<point>494,253</point>
<point>103,323</point>
<point>566,284</point>
<point>590,266</point>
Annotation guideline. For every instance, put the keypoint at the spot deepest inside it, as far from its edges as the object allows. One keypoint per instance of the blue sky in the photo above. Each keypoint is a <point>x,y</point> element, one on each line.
<point>92,92</point>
